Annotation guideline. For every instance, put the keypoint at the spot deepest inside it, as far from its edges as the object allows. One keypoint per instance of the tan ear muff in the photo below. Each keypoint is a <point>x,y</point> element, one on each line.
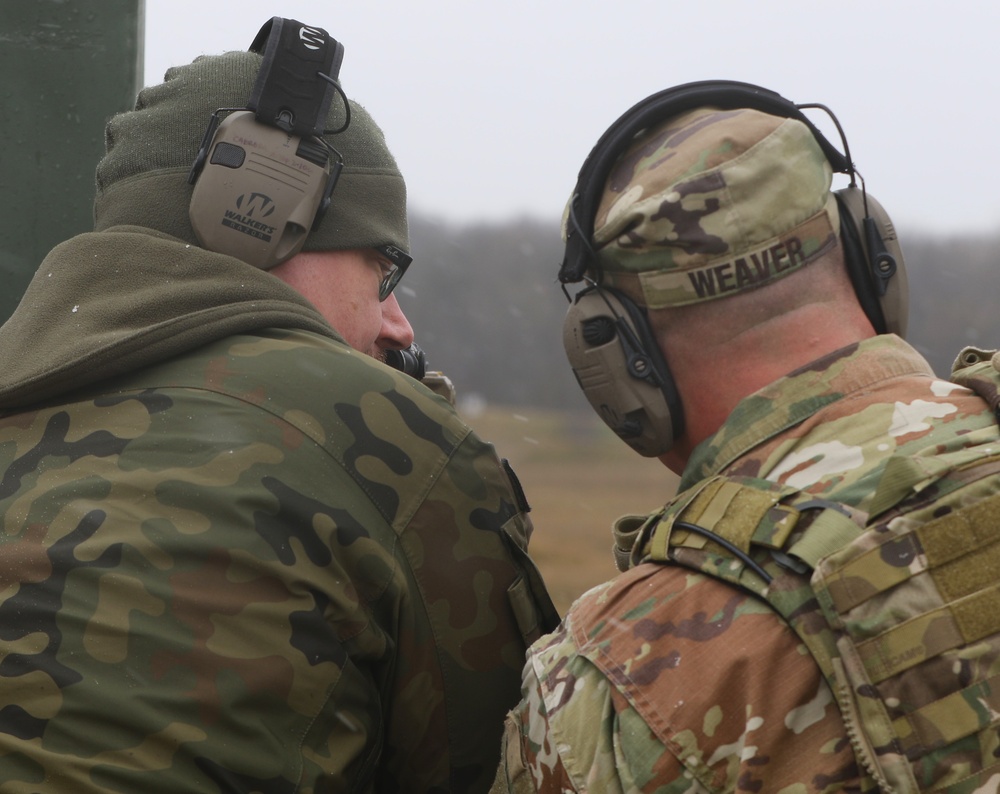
<point>874,260</point>
<point>619,366</point>
<point>263,176</point>
<point>259,191</point>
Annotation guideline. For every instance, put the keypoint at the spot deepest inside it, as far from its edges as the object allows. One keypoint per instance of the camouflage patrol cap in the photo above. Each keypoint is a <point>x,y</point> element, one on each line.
<point>143,178</point>
<point>711,203</point>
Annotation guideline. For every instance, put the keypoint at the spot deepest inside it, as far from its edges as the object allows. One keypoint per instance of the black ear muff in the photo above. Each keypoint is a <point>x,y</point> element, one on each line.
<point>264,175</point>
<point>874,260</point>
<point>872,251</point>
<point>621,370</point>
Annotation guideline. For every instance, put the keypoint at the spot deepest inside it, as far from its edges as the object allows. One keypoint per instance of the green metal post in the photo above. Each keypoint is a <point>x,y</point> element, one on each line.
<point>66,66</point>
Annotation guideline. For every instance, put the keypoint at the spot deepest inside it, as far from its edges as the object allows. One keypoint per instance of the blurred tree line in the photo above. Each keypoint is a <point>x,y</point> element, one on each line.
<point>487,309</point>
<point>951,294</point>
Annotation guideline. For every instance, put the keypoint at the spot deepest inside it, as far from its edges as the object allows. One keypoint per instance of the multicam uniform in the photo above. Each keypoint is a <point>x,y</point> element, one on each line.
<point>238,555</point>
<point>667,680</point>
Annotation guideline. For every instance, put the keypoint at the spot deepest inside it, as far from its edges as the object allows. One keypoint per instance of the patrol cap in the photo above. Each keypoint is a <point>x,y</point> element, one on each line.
<point>712,203</point>
<point>143,178</point>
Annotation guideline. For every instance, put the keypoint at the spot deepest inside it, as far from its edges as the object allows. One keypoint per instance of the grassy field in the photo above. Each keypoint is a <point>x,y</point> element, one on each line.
<point>578,478</point>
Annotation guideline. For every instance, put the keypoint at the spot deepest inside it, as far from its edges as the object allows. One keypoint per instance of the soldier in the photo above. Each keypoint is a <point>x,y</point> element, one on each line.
<point>816,609</point>
<point>240,552</point>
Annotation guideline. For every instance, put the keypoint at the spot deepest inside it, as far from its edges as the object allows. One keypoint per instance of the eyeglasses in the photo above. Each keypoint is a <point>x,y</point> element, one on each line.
<point>395,267</point>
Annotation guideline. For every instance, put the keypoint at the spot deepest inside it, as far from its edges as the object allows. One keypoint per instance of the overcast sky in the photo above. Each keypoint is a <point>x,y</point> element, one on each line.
<point>490,108</point>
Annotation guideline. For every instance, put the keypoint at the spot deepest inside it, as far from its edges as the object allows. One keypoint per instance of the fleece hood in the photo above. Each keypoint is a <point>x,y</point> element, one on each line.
<point>106,303</point>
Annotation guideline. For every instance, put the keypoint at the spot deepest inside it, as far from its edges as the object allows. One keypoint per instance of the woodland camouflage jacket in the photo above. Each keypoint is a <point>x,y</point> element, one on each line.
<point>667,680</point>
<point>238,555</point>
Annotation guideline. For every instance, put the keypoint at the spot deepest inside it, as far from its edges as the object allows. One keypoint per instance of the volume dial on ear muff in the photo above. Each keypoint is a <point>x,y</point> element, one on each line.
<point>598,330</point>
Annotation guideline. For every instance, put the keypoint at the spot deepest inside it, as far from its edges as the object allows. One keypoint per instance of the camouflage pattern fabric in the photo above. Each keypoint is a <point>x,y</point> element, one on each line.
<point>711,203</point>
<point>667,680</point>
<point>269,564</point>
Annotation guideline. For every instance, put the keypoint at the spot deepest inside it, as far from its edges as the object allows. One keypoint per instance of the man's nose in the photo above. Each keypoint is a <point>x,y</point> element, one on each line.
<point>396,332</point>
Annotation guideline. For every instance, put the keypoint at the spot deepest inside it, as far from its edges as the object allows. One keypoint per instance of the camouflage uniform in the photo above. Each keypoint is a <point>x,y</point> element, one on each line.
<point>670,681</point>
<point>237,554</point>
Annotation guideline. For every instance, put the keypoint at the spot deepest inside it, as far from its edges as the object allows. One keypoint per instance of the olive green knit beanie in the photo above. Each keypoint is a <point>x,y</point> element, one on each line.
<point>143,178</point>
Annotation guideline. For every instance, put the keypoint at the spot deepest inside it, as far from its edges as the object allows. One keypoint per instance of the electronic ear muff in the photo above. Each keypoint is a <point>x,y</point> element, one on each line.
<point>650,418</point>
<point>620,368</point>
<point>874,260</point>
<point>264,175</point>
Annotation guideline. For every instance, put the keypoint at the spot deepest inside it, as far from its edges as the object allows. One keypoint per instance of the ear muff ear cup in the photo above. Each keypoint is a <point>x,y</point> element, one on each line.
<point>259,192</point>
<point>621,370</point>
<point>874,260</point>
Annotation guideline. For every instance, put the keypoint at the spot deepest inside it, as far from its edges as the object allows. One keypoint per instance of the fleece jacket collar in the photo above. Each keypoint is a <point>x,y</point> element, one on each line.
<point>106,303</point>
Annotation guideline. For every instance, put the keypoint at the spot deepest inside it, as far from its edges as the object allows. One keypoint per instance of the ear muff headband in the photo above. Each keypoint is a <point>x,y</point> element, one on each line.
<point>724,94</point>
<point>295,84</point>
